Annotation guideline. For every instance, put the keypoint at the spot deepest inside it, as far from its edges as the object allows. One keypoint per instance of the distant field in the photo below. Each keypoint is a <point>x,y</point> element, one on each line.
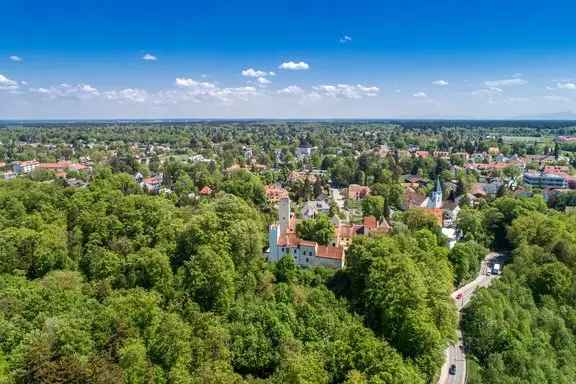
<point>527,139</point>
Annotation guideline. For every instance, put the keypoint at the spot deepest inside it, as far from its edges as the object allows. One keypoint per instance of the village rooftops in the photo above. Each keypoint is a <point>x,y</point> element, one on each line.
<point>275,192</point>
<point>63,165</point>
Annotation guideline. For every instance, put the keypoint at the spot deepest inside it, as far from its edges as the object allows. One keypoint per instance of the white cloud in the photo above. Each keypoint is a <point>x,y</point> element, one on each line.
<point>487,91</point>
<point>149,57</point>
<point>15,58</point>
<point>441,83</point>
<point>291,90</point>
<point>196,91</point>
<point>346,91</point>
<point>420,95</point>
<point>345,39</point>
<point>294,66</point>
<point>132,95</point>
<point>505,82</point>
<point>78,91</point>
<point>570,86</point>
<point>251,72</point>
<point>263,81</point>
<point>7,84</point>
<point>190,83</point>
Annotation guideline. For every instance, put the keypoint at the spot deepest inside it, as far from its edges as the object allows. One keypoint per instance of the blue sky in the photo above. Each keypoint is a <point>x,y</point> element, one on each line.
<point>151,59</point>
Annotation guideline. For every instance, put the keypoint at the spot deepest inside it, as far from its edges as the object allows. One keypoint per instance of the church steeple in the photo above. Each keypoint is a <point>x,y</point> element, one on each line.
<point>435,200</point>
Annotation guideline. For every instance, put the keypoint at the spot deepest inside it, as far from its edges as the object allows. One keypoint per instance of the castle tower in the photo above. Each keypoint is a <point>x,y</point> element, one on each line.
<point>284,214</point>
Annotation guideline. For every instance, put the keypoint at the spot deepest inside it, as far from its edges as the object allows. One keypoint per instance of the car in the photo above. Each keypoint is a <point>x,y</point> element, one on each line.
<point>459,296</point>
<point>452,369</point>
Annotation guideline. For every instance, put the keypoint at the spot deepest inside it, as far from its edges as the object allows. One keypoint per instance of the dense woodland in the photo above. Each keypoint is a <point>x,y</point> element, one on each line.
<point>107,284</point>
<point>523,329</point>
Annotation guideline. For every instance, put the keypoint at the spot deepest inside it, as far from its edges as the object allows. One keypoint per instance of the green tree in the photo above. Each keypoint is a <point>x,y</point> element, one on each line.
<point>374,206</point>
<point>319,229</point>
<point>208,277</point>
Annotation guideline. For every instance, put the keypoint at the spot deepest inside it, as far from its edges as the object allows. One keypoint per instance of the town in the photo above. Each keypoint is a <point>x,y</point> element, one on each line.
<point>360,187</point>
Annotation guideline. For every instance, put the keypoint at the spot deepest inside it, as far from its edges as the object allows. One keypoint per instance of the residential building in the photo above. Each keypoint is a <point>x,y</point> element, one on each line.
<point>200,159</point>
<point>152,184</point>
<point>62,166</point>
<point>345,233</point>
<point>206,191</point>
<point>274,192</point>
<point>315,207</point>
<point>545,180</point>
<point>305,151</point>
<point>302,176</point>
<point>357,192</point>
<point>422,154</point>
<point>24,167</point>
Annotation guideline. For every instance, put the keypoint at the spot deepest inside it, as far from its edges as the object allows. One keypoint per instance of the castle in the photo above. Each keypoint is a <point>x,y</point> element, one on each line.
<point>283,240</point>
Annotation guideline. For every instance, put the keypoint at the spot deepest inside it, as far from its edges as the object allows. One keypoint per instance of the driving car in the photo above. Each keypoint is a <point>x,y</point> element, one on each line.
<point>452,369</point>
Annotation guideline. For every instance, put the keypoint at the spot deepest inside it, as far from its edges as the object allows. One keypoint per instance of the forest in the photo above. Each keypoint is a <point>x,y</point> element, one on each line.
<point>523,328</point>
<point>107,284</point>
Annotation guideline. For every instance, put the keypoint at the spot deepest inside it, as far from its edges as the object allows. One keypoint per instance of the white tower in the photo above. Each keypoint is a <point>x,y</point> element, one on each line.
<point>435,200</point>
<point>284,214</point>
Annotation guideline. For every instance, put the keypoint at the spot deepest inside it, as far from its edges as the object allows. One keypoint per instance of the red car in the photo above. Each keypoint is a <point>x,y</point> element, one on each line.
<point>459,296</point>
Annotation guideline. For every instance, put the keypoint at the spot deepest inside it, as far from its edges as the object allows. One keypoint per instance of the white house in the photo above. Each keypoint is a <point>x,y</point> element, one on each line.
<point>20,167</point>
<point>315,207</point>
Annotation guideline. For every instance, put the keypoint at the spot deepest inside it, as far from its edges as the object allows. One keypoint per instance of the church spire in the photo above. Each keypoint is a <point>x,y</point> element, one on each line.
<point>435,200</point>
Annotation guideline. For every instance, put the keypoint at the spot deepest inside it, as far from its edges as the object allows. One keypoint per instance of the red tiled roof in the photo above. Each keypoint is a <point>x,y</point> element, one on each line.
<point>62,165</point>
<point>422,154</point>
<point>495,166</point>
<point>330,252</point>
<point>357,191</point>
<point>152,181</point>
<point>477,189</point>
<point>274,192</point>
<point>348,231</point>
<point>291,239</point>
<point>412,198</point>
<point>370,222</point>
<point>206,190</point>
<point>557,170</point>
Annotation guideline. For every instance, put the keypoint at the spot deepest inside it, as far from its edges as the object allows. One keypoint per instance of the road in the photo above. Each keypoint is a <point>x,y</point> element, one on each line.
<point>455,352</point>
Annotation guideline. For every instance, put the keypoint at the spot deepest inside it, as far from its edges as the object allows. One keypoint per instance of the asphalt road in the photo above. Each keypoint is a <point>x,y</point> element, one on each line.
<point>455,352</point>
